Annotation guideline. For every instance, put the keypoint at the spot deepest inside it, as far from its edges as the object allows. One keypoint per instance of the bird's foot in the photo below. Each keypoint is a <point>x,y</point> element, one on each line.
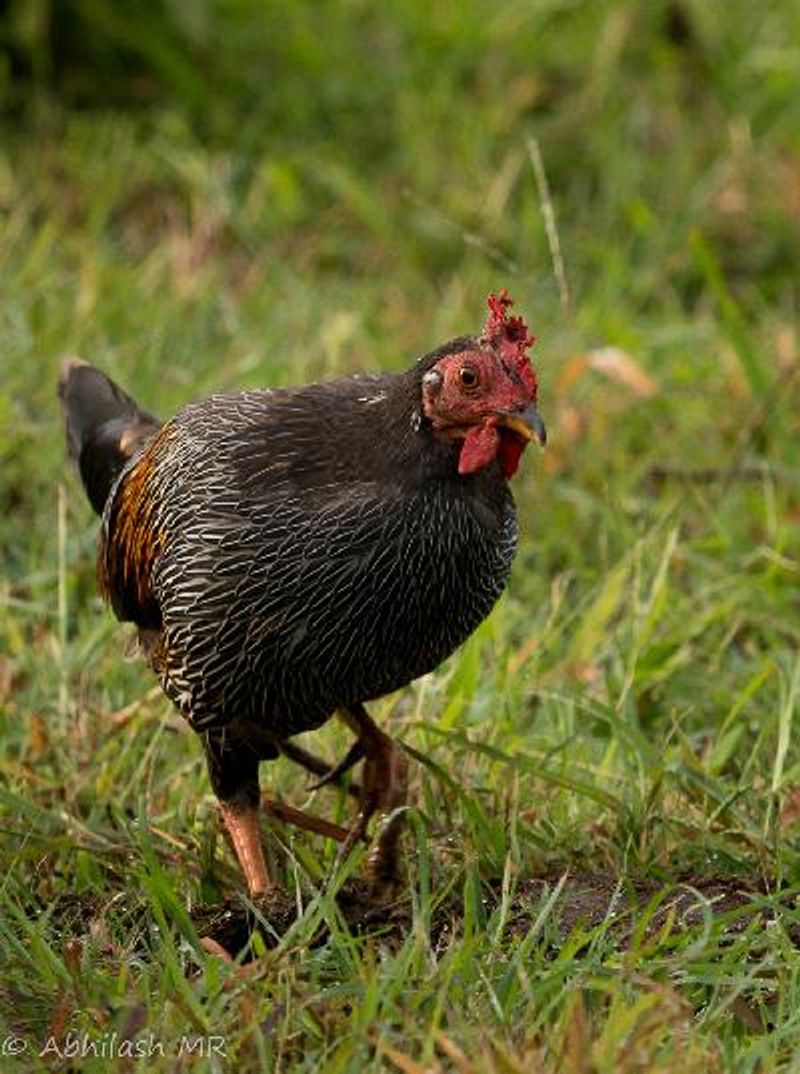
<point>385,857</point>
<point>307,821</point>
<point>384,791</point>
<point>241,823</point>
<point>227,928</point>
<point>330,775</point>
<point>334,775</point>
<point>390,772</point>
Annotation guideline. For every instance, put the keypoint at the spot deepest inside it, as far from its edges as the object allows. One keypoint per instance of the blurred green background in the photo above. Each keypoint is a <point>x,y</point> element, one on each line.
<point>207,195</point>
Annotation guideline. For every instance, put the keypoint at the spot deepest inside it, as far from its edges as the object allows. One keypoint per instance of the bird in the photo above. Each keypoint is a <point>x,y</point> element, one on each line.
<point>290,554</point>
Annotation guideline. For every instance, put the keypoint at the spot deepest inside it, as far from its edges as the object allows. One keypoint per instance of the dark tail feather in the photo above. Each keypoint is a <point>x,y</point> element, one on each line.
<point>104,426</point>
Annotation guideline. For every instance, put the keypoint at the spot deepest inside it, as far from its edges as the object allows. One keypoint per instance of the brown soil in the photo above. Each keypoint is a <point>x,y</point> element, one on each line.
<point>586,900</point>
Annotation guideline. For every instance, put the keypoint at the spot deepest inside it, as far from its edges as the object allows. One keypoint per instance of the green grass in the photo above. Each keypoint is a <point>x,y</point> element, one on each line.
<point>336,189</point>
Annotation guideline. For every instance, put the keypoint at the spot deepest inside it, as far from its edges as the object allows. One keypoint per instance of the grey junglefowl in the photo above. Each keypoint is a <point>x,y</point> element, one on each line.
<point>291,554</point>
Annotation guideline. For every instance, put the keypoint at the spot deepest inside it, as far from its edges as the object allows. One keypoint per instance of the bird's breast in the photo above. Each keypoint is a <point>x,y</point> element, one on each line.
<point>305,605</point>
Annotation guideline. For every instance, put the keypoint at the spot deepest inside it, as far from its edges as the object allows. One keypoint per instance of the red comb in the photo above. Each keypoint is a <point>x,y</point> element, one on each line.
<point>510,335</point>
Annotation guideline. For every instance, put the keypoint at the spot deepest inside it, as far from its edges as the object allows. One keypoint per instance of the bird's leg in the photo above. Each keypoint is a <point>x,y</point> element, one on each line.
<point>245,835</point>
<point>233,768</point>
<point>351,758</point>
<point>306,821</point>
<point>315,765</point>
<point>384,789</point>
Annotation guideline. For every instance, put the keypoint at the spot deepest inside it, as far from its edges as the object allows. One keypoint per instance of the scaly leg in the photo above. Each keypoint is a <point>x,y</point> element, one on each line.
<point>384,789</point>
<point>305,821</point>
<point>245,835</point>
<point>233,768</point>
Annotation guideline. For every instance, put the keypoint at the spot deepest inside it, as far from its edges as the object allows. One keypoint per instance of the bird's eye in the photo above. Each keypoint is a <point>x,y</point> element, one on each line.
<point>468,376</point>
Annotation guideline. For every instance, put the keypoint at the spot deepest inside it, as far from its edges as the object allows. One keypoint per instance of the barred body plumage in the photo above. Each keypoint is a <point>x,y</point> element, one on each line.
<point>306,560</point>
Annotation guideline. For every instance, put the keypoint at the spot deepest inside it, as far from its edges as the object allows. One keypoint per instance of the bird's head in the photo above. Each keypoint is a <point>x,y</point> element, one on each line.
<point>482,393</point>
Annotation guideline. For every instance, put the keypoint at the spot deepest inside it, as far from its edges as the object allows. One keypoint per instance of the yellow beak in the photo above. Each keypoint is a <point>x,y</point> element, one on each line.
<point>525,423</point>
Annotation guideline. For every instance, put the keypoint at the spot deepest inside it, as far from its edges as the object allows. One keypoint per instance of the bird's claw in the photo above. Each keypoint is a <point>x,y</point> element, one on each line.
<point>352,757</point>
<point>384,791</point>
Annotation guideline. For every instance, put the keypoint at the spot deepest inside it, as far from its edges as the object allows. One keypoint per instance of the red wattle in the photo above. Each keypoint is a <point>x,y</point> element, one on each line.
<point>510,452</point>
<point>486,442</point>
<point>479,448</point>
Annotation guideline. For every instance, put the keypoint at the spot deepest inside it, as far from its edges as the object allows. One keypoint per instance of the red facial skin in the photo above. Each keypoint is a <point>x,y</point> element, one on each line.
<point>471,412</point>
